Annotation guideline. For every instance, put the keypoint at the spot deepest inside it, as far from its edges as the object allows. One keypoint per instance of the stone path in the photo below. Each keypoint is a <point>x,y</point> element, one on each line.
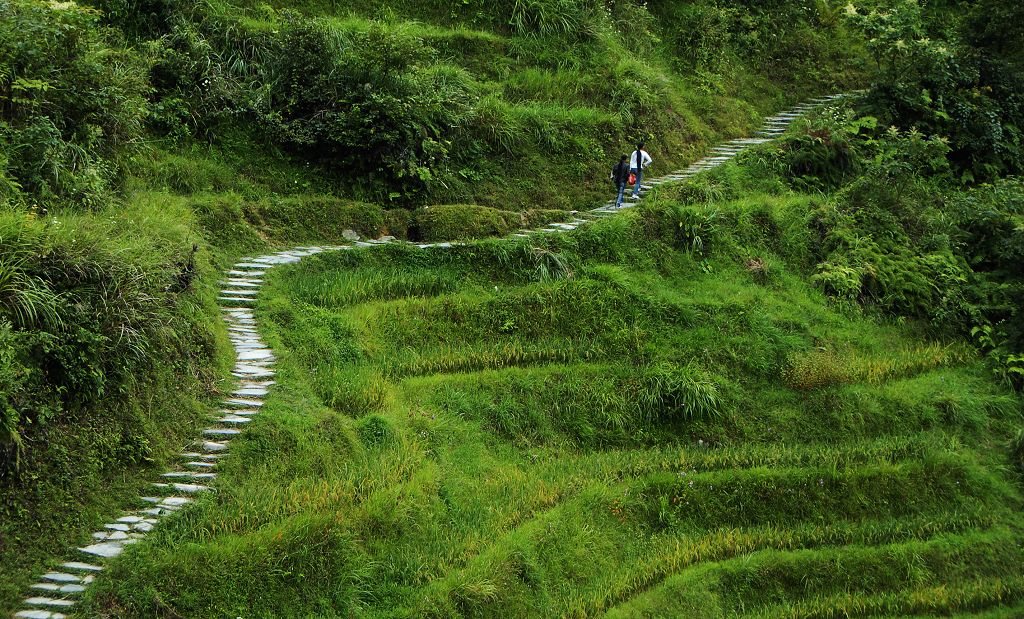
<point>58,590</point>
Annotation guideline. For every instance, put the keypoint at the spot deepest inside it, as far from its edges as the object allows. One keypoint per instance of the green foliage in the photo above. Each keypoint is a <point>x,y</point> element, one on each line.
<point>88,305</point>
<point>449,413</point>
<point>107,340</point>
<point>72,104</point>
<point>682,392</point>
<point>944,87</point>
<point>449,222</point>
<point>824,152</point>
<point>396,128</point>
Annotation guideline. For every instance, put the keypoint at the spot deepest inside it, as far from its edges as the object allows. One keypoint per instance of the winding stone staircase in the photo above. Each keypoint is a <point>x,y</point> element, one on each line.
<point>58,590</point>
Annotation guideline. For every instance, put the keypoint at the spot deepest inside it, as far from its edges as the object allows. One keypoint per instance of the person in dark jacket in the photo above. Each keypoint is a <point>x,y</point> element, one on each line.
<point>620,176</point>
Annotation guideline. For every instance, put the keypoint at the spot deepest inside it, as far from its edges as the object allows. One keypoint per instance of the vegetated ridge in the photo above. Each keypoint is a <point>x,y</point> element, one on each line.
<point>875,218</point>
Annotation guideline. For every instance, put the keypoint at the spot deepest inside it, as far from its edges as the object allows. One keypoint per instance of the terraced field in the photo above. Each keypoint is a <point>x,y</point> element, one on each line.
<point>590,424</point>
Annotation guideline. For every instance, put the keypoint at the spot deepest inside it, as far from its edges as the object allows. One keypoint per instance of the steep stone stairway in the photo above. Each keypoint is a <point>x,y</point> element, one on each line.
<point>58,590</point>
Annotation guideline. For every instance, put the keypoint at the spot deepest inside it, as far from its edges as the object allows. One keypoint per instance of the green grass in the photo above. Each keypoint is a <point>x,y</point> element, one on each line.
<point>104,393</point>
<point>644,431</point>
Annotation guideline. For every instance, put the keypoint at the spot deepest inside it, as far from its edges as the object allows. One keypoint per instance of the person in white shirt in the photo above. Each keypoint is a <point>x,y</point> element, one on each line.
<point>638,161</point>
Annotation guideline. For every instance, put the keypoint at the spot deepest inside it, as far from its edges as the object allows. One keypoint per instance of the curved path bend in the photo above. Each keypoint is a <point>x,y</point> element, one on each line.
<point>58,590</point>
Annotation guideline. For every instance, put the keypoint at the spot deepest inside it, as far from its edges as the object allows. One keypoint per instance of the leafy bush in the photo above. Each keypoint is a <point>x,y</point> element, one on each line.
<point>86,310</point>
<point>824,152</point>
<point>457,221</point>
<point>358,101</point>
<point>945,87</point>
<point>72,103</point>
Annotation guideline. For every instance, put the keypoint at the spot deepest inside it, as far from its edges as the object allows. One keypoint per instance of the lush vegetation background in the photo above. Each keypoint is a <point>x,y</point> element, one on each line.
<point>145,143</point>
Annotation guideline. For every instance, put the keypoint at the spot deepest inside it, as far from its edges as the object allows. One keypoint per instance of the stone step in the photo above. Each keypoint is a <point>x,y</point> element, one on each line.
<point>246,273</point>
<point>134,520</point>
<point>257,355</point>
<point>55,588</point>
<point>192,455</point>
<point>39,614</point>
<point>221,432</point>
<point>243,403</point>
<point>214,446</point>
<point>248,267</point>
<point>198,464</point>
<point>107,550</point>
<point>189,475</point>
<point>82,567</point>
<point>50,602</point>
<point>244,412</point>
<point>242,283</point>
<point>186,488</point>
<point>234,419</point>
<point>168,502</point>
<point>253,373</point>
<point>265,261</point>
<point>245,345</point>
<point>66,578</point>
<point>238,292</point>
<point>114,536</point>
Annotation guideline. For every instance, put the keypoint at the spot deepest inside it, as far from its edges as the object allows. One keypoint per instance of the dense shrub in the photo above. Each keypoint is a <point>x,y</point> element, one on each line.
<point>72,103</point>
<point>448,222</point>
<point>86,309</point>
<point>945,87</point>
<point>358,101</point>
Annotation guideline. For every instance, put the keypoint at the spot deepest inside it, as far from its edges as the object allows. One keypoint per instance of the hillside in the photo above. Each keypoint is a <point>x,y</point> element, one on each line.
<point>608,421</point>
<point>786,386</point>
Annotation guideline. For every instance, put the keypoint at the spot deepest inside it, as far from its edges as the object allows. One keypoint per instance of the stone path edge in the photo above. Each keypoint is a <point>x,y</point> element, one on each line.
<point>59,589</point>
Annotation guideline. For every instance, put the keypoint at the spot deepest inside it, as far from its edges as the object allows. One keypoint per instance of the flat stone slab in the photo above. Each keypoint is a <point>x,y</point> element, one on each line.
<point>264,261</point>
<point>55,588</point>
<point>45,601</point>
<point>63,577</point>
<point>244,412</point>
<point>242,283</point>
<point>214,446</point>
<point>257,355</point>
<point>253,370</point>
<point>85,567</point>
<point>107,550</point>
<point>201,465</point>
<point>188,475</point>
<point>113,536</point>
<point>246,268</point>
<point>187,488</point>
<point>175,501</point>
<point>221,432</point>
<point>39,614</point>
<point>253,391</point>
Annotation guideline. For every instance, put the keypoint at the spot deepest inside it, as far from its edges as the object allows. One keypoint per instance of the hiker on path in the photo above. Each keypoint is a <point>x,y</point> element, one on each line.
<point>637,162</point>
<point>620,176</point>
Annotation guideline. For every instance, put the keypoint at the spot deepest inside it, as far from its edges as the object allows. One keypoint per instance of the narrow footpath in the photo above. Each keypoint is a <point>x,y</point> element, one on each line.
<point>58,590</point>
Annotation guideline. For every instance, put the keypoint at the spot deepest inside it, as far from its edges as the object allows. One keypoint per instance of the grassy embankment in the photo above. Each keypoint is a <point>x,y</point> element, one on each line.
<point>127,137</point>
<point>656,415</point>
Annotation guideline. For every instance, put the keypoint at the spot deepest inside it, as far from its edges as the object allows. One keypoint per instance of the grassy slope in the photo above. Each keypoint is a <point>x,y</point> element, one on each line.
<point>83,464</point>
<point>551,112</point>
<point>239,195</point>
<point>477,433</point>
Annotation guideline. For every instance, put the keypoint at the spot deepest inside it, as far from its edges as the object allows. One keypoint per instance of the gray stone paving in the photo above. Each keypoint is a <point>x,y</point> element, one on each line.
<point>57,591</point>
